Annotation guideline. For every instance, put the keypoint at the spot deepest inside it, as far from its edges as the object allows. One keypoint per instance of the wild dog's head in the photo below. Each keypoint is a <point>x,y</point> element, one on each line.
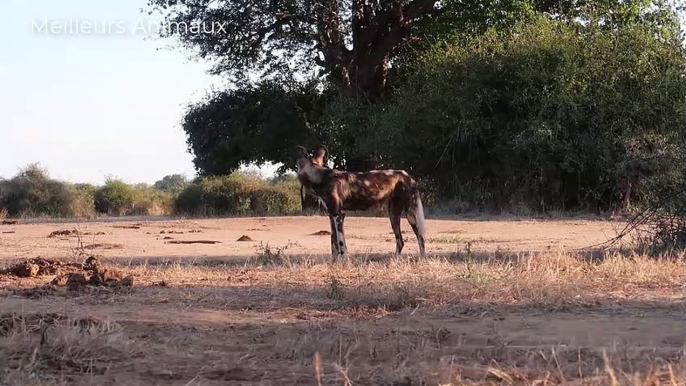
<point>320,157</point>
<point>309,165</point>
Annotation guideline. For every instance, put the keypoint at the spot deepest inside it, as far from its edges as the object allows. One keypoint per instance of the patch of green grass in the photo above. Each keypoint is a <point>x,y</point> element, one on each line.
<point>446,240</point>
<point>335,289</point>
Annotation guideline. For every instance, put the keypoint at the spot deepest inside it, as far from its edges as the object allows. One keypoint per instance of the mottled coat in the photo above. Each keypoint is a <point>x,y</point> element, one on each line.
<point>340,190</point>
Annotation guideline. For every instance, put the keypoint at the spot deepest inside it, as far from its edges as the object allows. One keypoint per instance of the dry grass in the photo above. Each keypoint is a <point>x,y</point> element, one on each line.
<point>47,346</point>
<point>285,319</point>
<point>555,278</point>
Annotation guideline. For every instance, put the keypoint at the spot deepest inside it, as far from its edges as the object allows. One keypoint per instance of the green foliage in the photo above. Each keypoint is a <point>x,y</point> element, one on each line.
<point>255,124</point>
<point>348,43</point>
<point>549,115</point>
<point>119,198</point>
<point>475,18</point>
<point>148,201</point>
<point>83,204</point>
<point>114,198</point>
<point>173,183</point>
<point>237,194</point>
<point>86,189</point>
<point>33,193</point>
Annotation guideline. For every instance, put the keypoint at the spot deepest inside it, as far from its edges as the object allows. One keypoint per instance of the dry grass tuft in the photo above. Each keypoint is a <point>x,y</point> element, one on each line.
<point>43,347</point>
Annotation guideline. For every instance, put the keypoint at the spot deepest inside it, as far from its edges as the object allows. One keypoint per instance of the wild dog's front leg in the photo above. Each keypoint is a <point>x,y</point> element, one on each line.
<point>338,245</point>
<point>334,238</point>
<point>343,248</point>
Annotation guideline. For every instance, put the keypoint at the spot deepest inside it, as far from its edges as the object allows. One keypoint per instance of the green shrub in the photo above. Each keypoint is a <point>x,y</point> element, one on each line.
<point>148,201</point>
<point>274,200</point>
<point>190,201</point>
<point>114,198</point>
<point>237,194</point>
<point>86,189</point>
<point>32,193</point>
<point>173,183</point>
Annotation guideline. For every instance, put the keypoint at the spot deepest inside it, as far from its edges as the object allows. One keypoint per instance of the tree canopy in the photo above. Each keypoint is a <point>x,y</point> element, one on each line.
<point>352,42</point>
<point>173,183</point>
<point>560,104</point>
<point>349,41</point>
<point>254,124</point>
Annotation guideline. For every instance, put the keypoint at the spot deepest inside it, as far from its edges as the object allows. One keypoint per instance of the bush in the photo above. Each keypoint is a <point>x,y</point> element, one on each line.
<point>173,183</point>
<point>149,201</point>
<point>83,204</point>
<point>33,193</point>
<point>237,194</point>
<point>114,198</point>
<point>190,201</point>
<point>274,200</point>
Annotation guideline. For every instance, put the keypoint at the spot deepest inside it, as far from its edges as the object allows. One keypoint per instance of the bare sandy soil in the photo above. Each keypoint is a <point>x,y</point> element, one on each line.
<point>364,235</point>
<point>273,311</point>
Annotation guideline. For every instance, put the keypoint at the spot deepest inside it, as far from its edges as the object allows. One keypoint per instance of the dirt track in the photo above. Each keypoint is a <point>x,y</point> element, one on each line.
<point>234,324</point>
<point>364,235</point>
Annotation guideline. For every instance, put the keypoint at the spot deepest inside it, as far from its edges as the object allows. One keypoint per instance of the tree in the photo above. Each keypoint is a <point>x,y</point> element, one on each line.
<point>359,48</point>
<point>351,41</point>
<point>173,183</point>
<point>254,124</point>
<point>114,198</point>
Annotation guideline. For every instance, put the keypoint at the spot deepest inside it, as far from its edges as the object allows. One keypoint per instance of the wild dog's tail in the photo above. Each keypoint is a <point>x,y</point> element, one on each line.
<point>415,215</point>
<point>419,210</point>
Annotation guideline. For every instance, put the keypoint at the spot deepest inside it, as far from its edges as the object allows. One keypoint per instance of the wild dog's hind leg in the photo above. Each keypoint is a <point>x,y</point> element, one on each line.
<point>394,210</point>
<point>415,216</point>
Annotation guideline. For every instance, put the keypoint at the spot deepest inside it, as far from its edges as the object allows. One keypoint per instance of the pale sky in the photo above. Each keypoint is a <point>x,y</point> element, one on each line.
<point>99,99</point>
<point>93,103</point>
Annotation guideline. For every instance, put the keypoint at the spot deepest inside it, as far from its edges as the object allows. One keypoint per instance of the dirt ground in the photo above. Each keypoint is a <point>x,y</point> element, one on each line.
<point>364,235</point>
<point>481,309</point>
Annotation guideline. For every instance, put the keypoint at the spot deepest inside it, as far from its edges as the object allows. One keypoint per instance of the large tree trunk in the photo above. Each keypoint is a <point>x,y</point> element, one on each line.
<point>376,34</point>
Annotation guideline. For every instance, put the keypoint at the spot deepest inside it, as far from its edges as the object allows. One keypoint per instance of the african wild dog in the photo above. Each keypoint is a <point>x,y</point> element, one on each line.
<point>338,190</point>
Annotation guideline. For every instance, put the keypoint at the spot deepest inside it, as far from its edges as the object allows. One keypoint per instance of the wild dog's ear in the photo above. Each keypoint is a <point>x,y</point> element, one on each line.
<point>303,152</point>
<point>321,156</point>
